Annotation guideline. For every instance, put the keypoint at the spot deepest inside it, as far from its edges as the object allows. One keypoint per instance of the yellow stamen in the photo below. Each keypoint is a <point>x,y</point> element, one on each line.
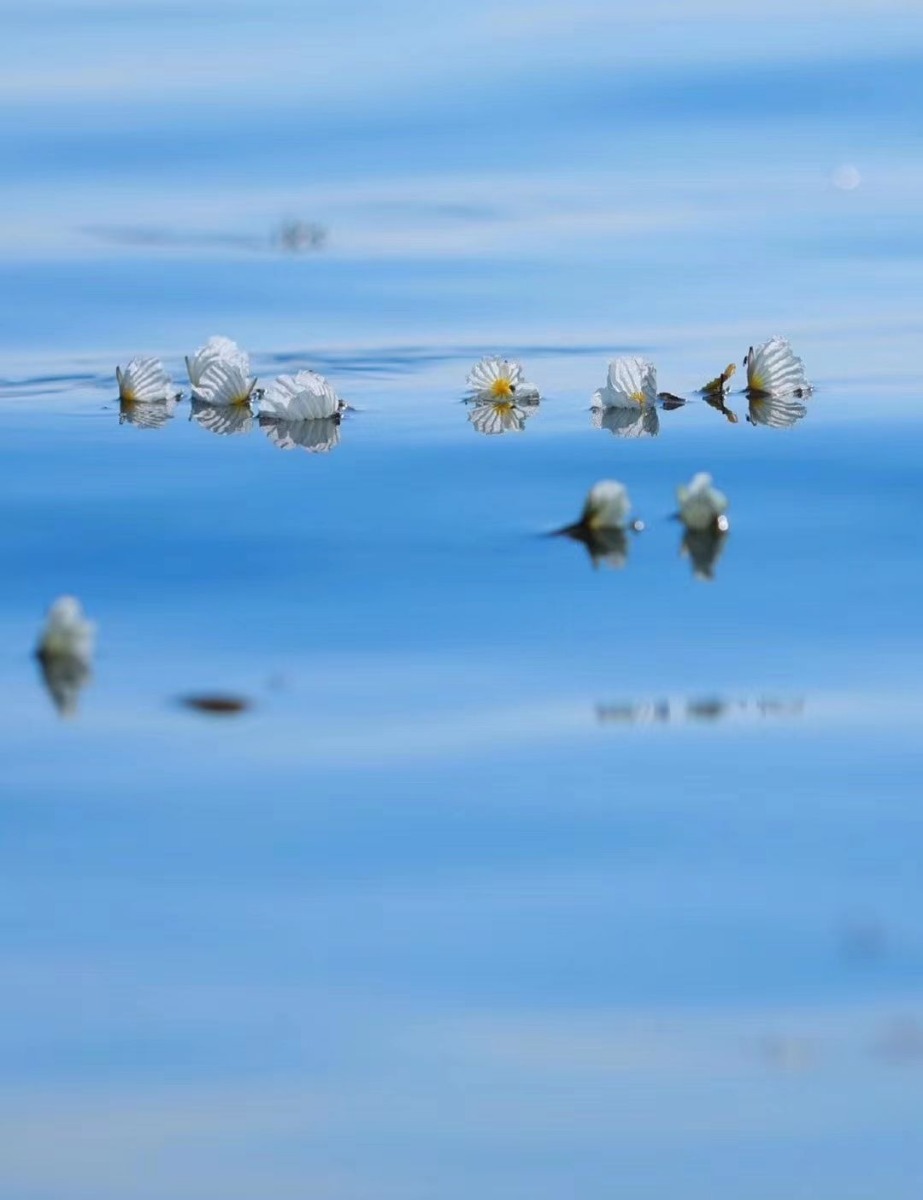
<point>638,397</point>
<point>501,387</point>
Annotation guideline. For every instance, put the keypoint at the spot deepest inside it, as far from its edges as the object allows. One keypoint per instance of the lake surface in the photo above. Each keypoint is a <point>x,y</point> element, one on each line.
<point>518,876</point>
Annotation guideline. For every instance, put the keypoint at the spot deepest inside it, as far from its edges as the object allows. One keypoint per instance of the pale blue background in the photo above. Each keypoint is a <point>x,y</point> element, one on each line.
<point>421,926</point>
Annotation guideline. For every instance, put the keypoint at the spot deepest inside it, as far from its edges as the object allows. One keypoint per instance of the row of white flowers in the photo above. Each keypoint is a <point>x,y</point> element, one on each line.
<point>773,369</point>
<point>219,375</point>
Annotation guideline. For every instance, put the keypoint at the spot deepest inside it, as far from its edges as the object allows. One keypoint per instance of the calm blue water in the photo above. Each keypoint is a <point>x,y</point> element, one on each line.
<point>518,877</point>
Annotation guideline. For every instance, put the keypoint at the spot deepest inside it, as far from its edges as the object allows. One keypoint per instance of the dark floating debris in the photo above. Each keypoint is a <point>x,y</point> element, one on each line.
<point>217,705</point>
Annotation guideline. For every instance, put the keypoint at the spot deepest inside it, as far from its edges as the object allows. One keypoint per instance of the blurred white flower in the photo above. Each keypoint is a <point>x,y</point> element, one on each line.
<point>216,349</point>
<point>627,422</point>
<point>225,384</point>
<point>317,435</point>
<point>500,379</point>
<point>499,416</point>
<point>67,632</point>
<point>144,381</point>
<point>702,506</point>
<point>774,369</point>
<point>305,396</point>
<point>632,383</point>
<point>607,506</point>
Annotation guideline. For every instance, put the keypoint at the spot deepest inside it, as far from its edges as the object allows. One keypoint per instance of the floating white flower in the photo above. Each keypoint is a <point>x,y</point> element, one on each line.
<point>607,506</point>
<point>702,506</point>
<point>305,396</point>
<point>316,436</point>
<point>216,349</point>
<point>144,381</point>
<point>632,383</point>
<point>224,421</point>
<point>627,422</point>
<point>774,369</point>
<point>499,416</point>
<point>496,378</point>
<point>603,523</point>
<point>225,384</point>
<point>67,633</point>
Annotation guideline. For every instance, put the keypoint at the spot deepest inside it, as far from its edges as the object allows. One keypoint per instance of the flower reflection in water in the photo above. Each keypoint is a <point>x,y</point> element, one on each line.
<point>606,547</point>
<point>703,548</point>
<point>778,412</point>
<point>696,710</point>
<point>627,422</point>
<point>316,436</point>
<point>65,677</point>
<point>500,416</point>
<point>225,420</point>
<point>152,414</point>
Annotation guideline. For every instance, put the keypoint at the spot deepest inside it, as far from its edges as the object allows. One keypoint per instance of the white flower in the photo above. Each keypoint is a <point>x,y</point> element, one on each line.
<point>606,507</point>
<point>67,633</point>
<point>702,506</point>
<point>143,381</point>
<point>499,416</point>
<point>500,379</point>
<point>774,369</point>
<point>627,422</point>
<point>216,349</point>
<point>306,396</point>
<point>316,436</point>
<point>225,384</point>
<point>632,383</point>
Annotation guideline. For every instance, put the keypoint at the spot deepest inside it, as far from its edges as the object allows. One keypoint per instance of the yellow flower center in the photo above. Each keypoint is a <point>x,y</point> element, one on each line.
<point>638,397</point>
<point>501,387</point>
